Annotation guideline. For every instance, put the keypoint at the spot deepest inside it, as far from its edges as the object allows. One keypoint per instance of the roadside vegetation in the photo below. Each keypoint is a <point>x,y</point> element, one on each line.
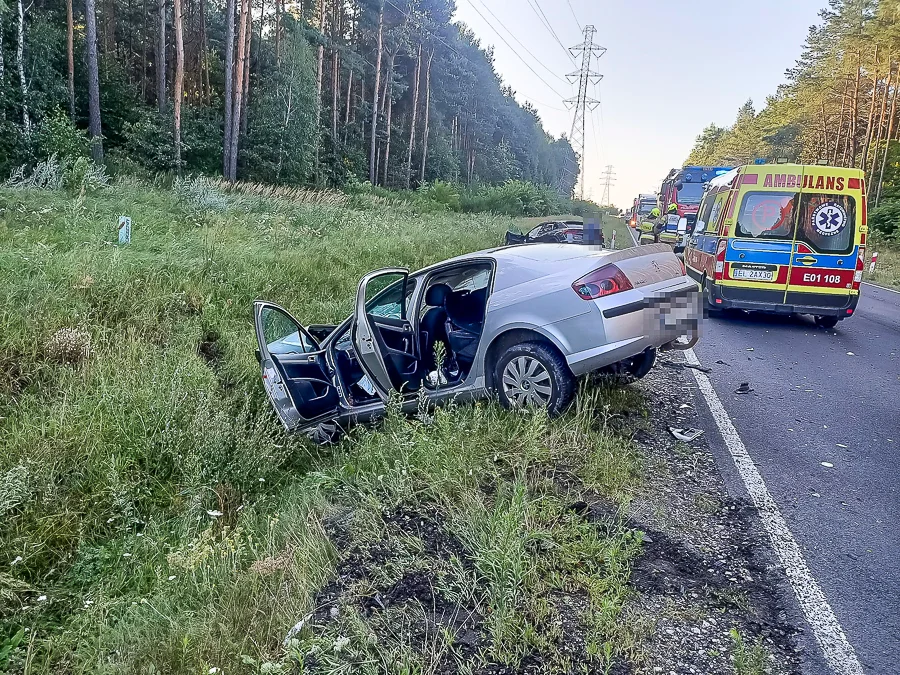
<point>154,517</point>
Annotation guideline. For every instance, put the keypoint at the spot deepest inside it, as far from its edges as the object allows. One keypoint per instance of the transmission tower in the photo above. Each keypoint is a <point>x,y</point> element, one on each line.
<point>589,52</point>
<point>609,179</point>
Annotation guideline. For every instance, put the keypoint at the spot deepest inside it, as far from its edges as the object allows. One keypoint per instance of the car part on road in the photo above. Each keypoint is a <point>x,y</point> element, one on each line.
<point>744,388</point>
<point>534,374</point>
<point>686,435</point>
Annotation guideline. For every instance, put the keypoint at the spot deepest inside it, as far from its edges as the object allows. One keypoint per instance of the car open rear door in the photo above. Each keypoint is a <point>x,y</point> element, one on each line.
<point>515,238</point>
<point>294,372</point>
<point>382,334</point>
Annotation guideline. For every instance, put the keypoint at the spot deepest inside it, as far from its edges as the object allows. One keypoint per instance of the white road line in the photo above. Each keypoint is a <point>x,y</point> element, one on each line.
<point>881,288</point>
<point>839,654</point>
<point>633,237</point>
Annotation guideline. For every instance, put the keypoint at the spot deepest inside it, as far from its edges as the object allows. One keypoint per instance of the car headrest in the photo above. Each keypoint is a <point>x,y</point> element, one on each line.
<point>436,295</point>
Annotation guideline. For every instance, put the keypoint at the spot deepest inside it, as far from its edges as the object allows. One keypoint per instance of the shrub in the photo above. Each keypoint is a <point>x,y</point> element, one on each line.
<point>58,135</point>
<point>441,193</point>
<point>885,220</point>
<point>515,198</point>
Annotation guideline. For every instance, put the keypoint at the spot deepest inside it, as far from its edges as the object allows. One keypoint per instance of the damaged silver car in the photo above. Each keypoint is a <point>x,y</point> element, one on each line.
<point>521,323</point>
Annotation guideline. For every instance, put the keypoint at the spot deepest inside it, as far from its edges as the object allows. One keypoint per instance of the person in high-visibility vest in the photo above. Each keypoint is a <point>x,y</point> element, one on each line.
<point>649,226</point>
<point>665,235</point>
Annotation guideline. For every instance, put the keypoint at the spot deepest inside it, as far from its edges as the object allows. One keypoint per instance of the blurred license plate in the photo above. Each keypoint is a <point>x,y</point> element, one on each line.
<point>753,275</point>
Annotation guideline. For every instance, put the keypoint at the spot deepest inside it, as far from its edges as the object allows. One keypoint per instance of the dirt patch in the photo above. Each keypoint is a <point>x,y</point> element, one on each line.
<point>211,350</point>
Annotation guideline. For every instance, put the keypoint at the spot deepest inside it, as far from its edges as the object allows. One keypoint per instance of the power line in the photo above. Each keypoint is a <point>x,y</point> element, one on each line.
<point>572,9</point>
<point>466,58</point>
<point>537,60</point>
<point>514,51</point>
<point>536,7</point>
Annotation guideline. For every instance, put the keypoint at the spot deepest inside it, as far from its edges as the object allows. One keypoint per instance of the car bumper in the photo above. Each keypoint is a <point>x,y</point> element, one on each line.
<point>775,302</point>
<point>651,318</point>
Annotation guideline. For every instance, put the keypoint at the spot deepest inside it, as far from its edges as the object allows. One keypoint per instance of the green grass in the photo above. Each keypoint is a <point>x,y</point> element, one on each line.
<point>155,518</point>
<point>887,269</point>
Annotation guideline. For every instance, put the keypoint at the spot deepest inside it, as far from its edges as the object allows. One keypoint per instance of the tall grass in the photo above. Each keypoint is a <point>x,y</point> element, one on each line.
<point>153,515</point>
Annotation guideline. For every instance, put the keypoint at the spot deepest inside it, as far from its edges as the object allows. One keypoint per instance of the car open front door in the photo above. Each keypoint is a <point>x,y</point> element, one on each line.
<point>382,333</point>
<point>515,238</point>
<point>294,372</point>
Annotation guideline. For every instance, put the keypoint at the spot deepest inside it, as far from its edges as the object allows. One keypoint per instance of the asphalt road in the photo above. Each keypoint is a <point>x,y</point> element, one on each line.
<point>826,396</point>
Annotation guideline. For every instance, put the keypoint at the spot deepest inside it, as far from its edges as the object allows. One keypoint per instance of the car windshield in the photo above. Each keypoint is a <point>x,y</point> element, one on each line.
<point>646,207</point>
<point>690,193</point>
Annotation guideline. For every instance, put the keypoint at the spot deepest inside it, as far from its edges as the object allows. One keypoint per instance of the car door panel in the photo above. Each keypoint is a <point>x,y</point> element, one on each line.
<point>383,337</point>
<point>294,371</point>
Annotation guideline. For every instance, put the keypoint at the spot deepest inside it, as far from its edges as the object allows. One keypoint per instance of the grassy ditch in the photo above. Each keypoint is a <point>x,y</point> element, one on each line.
<point>887,269</point>
<point>154,518</point>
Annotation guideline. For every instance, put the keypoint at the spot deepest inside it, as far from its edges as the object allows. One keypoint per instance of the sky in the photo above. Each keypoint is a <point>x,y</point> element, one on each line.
<point>671,67</point>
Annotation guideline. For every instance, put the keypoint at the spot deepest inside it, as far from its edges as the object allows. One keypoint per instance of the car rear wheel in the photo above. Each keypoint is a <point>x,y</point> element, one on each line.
<point>826,321</point>
<point>534,374</point>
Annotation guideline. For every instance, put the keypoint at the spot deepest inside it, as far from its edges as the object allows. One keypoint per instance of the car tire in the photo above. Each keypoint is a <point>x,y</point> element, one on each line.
<point>641,364</point>
<point>533,373</point>
<point>826,321</point>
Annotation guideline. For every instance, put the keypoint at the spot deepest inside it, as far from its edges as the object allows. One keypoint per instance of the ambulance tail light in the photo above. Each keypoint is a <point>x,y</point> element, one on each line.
<point>860,266</point>
<point>720,259</point>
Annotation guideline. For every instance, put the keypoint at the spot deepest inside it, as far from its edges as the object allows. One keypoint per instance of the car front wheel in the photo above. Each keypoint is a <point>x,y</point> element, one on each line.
<point>534,374</point>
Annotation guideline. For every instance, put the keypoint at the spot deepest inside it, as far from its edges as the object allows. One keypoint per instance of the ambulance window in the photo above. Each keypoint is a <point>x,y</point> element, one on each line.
<point>827,222</point>
<point>703,214</point>
<point>767,215</point>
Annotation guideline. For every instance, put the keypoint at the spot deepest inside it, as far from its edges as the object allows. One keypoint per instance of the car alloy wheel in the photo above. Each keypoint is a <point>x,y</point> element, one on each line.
<point>533,374</point>
<point>527,382</point>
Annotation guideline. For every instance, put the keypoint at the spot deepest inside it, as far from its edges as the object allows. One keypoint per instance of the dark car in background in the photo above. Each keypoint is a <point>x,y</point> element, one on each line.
<point>558,232</point>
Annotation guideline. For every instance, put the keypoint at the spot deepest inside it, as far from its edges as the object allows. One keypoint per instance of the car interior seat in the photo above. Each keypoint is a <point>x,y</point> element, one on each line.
<point>465,320</point>
<point>432,328</point>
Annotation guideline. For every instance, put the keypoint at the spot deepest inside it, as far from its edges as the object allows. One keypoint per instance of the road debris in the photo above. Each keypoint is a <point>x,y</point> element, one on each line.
<point>828,465</point>
<point>702,369</point>
<point>744,388</point>
<point>686,435</point>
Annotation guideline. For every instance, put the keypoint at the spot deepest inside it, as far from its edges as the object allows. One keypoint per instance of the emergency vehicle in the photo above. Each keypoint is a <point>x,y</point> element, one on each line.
<point>781,238</point>
<point>643,205</point>
<point>684,188</point>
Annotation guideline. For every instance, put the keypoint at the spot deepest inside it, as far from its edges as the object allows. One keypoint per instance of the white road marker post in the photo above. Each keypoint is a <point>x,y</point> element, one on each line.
<point>614,240</point>
<point>836,648</point>
<point>872,264</point>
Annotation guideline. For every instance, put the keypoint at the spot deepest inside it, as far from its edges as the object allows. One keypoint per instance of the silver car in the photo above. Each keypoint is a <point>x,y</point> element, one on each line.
<point>518,322</point>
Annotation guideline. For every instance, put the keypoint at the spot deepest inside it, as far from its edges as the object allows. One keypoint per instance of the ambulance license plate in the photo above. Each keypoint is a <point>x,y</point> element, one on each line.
<point>753,275</point>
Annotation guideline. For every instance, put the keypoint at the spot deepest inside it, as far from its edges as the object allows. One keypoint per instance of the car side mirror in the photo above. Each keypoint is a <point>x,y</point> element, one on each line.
<point>682,226</point>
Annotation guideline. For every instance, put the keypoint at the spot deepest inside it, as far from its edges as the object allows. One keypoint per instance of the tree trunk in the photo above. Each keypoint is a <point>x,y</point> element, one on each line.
<point>277,32</point>
<point>2,72</point>
<point>229,87</point>
<point>246,93</point>
<point>887,146</point>
<point>320,59</point>
<point>204,56</point>
<point>390,107</point>
<point>288,115</point>
<point>373,144</point>
<point>94,128</point>
<point>412,122</point>
<point>854,114</point>
<point>179,80</point>
<point>335,70</point>
<point>832,159</point>
<point>161,58</point>
<point>20,61</point>
<point>238,90</point>
<point>881,121</point>
<point>864,160</point>
<point>70,52</point>
<point>427,114</point>
<point>349,97</point>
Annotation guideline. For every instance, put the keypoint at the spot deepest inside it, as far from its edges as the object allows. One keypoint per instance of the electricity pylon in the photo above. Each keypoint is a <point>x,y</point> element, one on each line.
<point>609,178</point>
<point>589,52</point>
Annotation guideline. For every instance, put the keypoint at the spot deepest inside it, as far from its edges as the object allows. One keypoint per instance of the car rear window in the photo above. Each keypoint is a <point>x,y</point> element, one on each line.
<point>827,222</point>
<point>767,215</point>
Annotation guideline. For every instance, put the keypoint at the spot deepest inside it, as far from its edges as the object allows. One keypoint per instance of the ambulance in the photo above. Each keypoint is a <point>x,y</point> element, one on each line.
<point>781,238</point>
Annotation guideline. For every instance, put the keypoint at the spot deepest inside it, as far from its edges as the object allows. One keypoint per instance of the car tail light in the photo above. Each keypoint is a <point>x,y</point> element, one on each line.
<point>720,259</point>
<point>605,281</point>
<point>860,266</point>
